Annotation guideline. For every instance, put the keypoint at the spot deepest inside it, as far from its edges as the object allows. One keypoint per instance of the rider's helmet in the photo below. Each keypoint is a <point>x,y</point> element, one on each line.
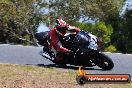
<point>61,27</point>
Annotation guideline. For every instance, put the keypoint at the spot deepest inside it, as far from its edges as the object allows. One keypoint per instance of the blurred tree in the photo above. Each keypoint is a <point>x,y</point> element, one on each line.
<point>103,32</point>
<point>84,26</point>
<point>127,32</point>
<point>117,38</point>
<point>73,10</point>
<point>99,9</point>
<point>19,20</point>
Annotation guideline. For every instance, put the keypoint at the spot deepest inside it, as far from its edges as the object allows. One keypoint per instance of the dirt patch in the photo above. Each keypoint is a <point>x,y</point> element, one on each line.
<point>16,76</point>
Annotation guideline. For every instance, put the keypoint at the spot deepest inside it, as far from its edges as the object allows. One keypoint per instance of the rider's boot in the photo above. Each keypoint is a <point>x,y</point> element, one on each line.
<point>48,53</point>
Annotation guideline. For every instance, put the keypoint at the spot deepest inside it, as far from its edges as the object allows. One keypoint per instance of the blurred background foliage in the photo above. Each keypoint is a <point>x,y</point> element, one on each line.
<point>19,20</point>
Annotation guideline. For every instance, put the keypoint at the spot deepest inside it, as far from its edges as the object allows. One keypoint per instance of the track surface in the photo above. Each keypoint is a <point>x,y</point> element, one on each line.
<point>29,55</point>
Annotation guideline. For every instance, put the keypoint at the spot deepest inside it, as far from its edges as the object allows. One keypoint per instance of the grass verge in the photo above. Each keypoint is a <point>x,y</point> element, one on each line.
<point>16,76</point>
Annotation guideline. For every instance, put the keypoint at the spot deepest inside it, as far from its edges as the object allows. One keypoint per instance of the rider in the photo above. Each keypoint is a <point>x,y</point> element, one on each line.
<point>58,32</point>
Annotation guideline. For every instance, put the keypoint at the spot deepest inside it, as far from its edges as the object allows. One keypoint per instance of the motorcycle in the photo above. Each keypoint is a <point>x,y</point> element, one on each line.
<point>85,51</point>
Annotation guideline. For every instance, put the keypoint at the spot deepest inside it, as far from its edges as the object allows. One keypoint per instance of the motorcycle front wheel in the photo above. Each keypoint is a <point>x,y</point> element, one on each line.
<point>103,61</point>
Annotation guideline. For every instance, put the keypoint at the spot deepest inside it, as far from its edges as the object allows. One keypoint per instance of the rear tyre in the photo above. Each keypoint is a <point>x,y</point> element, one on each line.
<point>104,62</point>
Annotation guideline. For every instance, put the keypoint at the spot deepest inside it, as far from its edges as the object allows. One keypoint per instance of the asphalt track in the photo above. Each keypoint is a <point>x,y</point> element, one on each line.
<point>30,55</point>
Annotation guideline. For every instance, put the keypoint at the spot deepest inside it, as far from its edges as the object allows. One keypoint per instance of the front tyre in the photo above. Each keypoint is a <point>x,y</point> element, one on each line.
<point>103,61</point>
